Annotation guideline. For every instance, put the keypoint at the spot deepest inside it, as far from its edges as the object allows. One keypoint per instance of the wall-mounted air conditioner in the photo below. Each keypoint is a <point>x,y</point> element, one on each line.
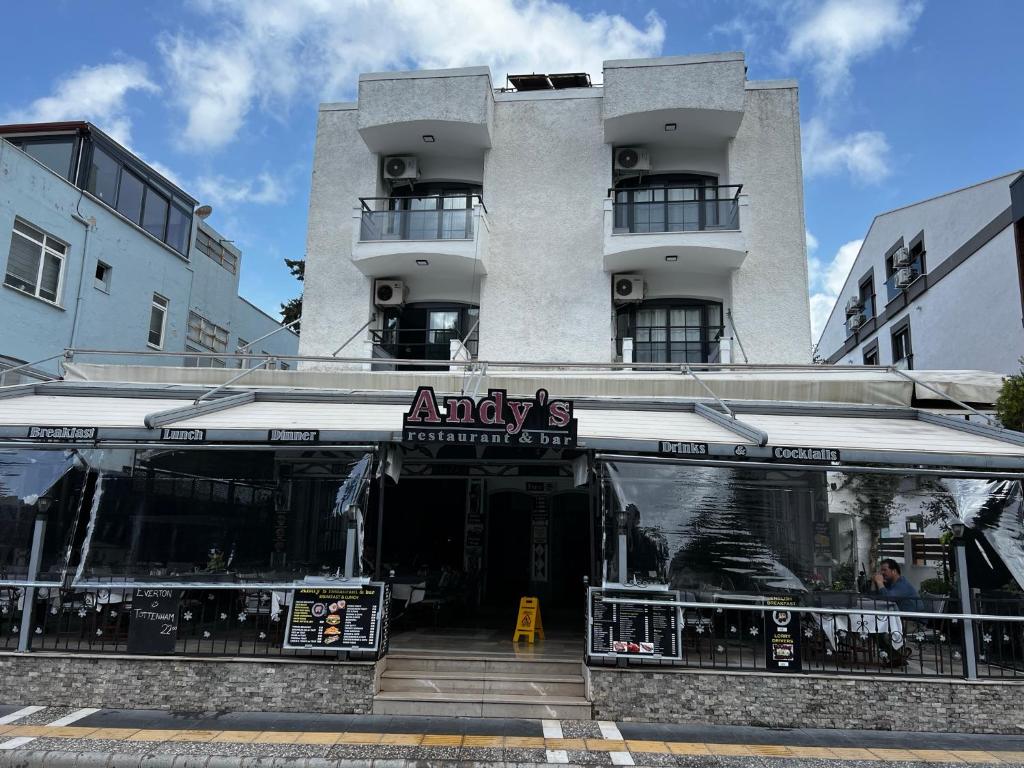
<point>628,288</point>
<point>399,167</point>
<point>855,321</point>
<point>854,306</point>
<point>388,293</point>
<point>905,277</point>
<point>631,159</point>
<point>901,258</point>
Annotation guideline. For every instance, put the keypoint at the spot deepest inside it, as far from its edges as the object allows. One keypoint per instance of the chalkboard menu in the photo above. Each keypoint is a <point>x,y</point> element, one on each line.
<point>336,618</point>
<point>153,628</point>
<point>634,629</point>
<point>782,634</point>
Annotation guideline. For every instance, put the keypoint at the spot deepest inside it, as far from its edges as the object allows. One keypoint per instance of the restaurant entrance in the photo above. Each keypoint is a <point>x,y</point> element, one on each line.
<point>462,551</point>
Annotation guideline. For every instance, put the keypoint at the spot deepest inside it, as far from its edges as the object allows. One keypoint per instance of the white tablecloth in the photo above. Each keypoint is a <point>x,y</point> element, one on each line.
<point>861,624</point>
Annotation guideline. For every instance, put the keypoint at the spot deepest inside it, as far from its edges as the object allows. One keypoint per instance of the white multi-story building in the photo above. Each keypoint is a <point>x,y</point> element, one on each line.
<point>658,218</point>
<point>937,285</point>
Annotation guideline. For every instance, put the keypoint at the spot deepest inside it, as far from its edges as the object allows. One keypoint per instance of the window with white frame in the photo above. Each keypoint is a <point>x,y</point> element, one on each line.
<point>35,263</point>
<point>158,321</point>
<point>202,362</point>
<point>207,335</point>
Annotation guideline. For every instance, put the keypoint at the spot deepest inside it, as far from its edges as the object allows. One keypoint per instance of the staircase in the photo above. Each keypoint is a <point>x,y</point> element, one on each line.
<point>480,686</point>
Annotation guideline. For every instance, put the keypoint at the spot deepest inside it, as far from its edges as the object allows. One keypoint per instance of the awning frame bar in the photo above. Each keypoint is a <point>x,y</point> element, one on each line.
<point>161,418</point>
<point>734,425</point>
<point>943,395</point>
<point>993,432</point>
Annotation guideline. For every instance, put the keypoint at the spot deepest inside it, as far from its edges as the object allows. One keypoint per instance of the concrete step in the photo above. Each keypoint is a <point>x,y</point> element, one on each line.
<point>468,682</point>
<point>481,705</point>
<point>501,665</point>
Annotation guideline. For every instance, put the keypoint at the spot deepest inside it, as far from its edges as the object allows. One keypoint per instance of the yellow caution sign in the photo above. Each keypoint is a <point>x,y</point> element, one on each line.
<point>529,623</point>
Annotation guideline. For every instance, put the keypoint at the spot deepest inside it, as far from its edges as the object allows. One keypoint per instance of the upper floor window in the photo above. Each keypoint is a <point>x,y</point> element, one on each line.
<point>157,321</point>
<point>426,332</point>
<point>904,265</point>
<point>143,200</point>
<point>866,292</point>
<point>208,335</point>
<point>674,203</point>
<point>427,211</point>
<point>35,263</point>
<point>215,250</point>
<point>902,351</point>
<point>55,152</point>
<point>871,353</point>
<point>672,330</point>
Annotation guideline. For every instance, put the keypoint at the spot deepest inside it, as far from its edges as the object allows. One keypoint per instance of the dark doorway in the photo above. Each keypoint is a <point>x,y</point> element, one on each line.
<point>508,554</point>
<point>570,552</point>
<point>423,527</point>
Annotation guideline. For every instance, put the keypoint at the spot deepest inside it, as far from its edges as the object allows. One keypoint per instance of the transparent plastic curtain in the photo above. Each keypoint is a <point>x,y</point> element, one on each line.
<point>995,509</point>
<point>707,529</point>
<point>354,491</point>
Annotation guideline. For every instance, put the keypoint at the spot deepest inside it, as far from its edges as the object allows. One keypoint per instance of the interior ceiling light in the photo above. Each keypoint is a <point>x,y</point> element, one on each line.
<point>672,257</point>
<point>429,138</point>
<point>422,262</point>
<point>670,126</point>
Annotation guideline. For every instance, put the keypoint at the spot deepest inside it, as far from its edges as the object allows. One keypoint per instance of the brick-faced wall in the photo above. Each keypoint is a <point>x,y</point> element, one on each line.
<point>125,682</point>
<point>811,701</point>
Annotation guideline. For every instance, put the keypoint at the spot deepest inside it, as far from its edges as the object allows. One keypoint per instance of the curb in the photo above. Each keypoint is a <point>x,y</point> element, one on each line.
<point>52,759</point>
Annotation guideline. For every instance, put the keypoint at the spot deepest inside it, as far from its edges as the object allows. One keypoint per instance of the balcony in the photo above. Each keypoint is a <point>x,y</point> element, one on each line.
<point>394,235</point>
<point>892,285</point>
<point>696,228</point>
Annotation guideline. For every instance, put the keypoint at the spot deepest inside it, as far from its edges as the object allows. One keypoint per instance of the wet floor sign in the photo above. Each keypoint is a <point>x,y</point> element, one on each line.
<point>529,624</point>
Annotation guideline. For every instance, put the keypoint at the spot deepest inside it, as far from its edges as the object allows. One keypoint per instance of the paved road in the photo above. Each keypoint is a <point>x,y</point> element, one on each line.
<point>57,737</point>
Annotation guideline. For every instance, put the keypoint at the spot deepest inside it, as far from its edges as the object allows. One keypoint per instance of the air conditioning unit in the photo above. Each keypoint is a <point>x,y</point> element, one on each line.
<point>388,293</point>
<point>401,167</point>
<point>855,321</point>
<point>632,159</point>
<point>901,258</point>
<point>905,277</point>
<point>854,306</point>
<point>628,288</point>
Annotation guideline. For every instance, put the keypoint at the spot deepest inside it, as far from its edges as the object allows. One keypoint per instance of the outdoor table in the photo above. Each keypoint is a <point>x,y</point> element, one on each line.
<point>862,623</point>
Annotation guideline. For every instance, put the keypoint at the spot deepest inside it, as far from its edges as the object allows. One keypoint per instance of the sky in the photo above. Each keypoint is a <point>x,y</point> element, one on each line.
<point>900,100</point>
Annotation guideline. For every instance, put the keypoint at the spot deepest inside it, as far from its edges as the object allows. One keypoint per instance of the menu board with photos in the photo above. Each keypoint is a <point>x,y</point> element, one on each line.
<point>782,634</point>
<point>336,618</point>
<point>634,629</point>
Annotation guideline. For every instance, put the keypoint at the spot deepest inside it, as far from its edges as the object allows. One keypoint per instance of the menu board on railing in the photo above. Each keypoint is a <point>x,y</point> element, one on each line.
<point>336,618</point>
<point>153,628</point>
<point>637,628</point>
<point>782,634</point>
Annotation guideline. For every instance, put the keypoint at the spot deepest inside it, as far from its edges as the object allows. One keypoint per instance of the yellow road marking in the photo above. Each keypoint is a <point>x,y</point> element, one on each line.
<point>152,735</point>
<point>976,756</point>
<point>277,737</point>
<point>112,734</point>
<point>654,747</point>
<point>482,741</point>
<point>191,735</point>
<point>34,731</point>
<point>851,753</point>
<point>402,739</point>
<point>235,737</point>
<point>441,740</point>
<point>315,737</point>
<point>1010,757</point>
<point>687,748</point>
<point>360,738</point>
<point>770,750</point>
<point>731,750</point>
<point>524,742</point>
<point>605,745</point>
<point>819,752</point>
<point>892,755</point>
<point>575,744</point>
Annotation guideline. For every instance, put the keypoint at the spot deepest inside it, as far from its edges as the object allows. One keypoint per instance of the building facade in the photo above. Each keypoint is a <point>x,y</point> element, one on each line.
<point>937,285</point>
<point>658,218</point>
<point>101,252</point>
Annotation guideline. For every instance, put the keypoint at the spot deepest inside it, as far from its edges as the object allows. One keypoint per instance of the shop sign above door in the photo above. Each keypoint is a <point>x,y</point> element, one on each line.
<point>493,420</point>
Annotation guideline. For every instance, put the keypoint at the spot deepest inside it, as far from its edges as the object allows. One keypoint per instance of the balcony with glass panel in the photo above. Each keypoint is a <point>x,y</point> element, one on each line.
<point>696,227</point>
<point>447,233</point>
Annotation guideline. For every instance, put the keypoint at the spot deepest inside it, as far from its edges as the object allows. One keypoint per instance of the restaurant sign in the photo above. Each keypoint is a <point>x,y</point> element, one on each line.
<point>172,435</point>
<point>806,454</point>
<point>496,419</point>
<point>682,448</point>
<point>61,434</point>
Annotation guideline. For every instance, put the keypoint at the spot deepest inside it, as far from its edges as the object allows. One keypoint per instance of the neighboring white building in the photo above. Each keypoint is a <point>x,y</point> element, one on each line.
<point>554,220</point>
<point>937,285</point>
<point>100,251</point>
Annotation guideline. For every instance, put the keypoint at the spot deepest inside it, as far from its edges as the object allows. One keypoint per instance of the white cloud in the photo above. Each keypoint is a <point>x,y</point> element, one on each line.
<point>96,94</point>
<point>221,190</point>
<point>864,154</point>
<point>262,53</point>
<point>827,280</point>
<point>837,33</point>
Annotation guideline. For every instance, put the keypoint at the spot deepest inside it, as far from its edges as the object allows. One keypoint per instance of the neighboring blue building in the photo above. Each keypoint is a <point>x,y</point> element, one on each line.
<point>99,251</point>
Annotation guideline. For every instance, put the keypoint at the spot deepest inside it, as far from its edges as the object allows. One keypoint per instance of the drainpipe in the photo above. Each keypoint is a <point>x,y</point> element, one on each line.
<point>89,225</point>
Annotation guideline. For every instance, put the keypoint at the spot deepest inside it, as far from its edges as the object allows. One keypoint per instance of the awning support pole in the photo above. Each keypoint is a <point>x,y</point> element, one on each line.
<point>160,418</point>
<point>943,395</point>
<point>232,380</point>
<point>970,661</point>
<point>244,349</point>
<point>741,428</point>
<point>349,340</point>
<point>993,432</point>
<point>5,371</point>
<point>29,597</point>
<point>689,372</point>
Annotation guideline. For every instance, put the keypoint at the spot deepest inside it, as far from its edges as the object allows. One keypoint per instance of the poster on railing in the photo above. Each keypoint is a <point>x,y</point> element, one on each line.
<point>782,634</point>
<point>336,618</point>
<point>636,628</point>
<point>153,628</point>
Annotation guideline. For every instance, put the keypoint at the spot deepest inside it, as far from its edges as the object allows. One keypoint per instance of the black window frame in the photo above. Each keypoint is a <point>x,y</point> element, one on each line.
<point>625,205</point>
<point>870,351</point>
<point>899,329</point>
<point>867,298</point>
<point>626,325</point>
<point>394,339</point>
<point>57,138</point>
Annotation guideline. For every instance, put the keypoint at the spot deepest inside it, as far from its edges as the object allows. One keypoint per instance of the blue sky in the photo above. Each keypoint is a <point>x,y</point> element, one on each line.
<point>900,99</point>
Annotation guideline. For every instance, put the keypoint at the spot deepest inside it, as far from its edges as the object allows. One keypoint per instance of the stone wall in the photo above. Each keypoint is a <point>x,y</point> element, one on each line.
<point>810,701</point>
<point>124,682</point>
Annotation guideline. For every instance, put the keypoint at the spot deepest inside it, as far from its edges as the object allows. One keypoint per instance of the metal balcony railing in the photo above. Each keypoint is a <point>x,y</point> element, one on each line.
<point>676,209</point>
<point>430,217</point>
<point>893,288</point>
<point>420,343</point>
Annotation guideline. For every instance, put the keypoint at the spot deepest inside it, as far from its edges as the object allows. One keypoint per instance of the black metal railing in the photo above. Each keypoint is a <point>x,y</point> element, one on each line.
<point>853,634</point>
<point>210,622</point>
<point>430,217</point>
<point>676,209</point>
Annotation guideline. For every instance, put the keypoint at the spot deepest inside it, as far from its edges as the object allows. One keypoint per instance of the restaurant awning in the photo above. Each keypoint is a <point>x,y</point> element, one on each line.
<point>98,413</point>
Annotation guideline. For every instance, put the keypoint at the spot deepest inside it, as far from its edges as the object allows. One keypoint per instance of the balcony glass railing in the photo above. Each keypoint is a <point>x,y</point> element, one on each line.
<point>432,217</point>
<point>676,209</point>
<point>892,286</point>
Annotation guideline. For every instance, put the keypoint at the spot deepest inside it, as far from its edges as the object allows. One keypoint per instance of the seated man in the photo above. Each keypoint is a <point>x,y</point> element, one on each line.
<point>889,583</point>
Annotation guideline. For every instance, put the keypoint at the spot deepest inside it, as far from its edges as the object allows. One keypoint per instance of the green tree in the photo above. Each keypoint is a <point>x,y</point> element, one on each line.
<point>292,310</point>
<point>1010,405</point>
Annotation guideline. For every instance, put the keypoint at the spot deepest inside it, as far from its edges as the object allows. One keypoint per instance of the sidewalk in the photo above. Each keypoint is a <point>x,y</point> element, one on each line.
<point>57,737</point>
